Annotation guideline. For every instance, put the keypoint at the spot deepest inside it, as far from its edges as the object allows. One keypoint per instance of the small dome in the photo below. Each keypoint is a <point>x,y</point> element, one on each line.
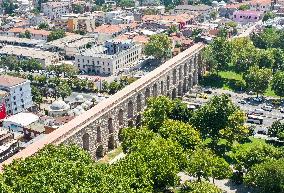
<point>79,97</point>
<point>222,3</point>
<point>58,105</point>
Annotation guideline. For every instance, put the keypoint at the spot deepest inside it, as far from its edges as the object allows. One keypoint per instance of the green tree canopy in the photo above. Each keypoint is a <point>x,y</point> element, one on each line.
<point>257,79</point>
<point>203,163</point>
<point>268,15</point>
<point>278,83</point>
<point>200,187</point>
<point>158,46</point>
<point>267,176</point>
<point>276,130</point>
<point>56,34</point>
<point>180,132</point>
<point>249,154</point>
<point>219,119</point>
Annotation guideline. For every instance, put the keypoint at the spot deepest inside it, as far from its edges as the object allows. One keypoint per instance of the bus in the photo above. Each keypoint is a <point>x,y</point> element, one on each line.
<point>255,119</point>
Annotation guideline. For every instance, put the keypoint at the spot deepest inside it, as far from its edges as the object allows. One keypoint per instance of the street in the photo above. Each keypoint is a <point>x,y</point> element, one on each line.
<point>248,107</point>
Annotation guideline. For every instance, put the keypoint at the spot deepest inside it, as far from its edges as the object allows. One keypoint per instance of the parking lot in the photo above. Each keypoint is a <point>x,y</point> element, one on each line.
<point>248,103</point>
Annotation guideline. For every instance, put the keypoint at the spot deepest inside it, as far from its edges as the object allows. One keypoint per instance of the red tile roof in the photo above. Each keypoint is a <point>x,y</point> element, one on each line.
<point>9,81</point>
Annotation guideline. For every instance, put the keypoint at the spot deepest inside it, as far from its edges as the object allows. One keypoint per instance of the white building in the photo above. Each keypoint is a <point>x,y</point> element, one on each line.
<point>70,45</point>
<point>19,95</point>
<point>119,17</point>
<point>55,9</point>
<point>109,59</point>
<point>20,122</point>
<point>44,57</point>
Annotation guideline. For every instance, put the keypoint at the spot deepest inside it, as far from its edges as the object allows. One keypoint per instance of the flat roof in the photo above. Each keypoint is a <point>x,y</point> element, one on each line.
<point>27,52</point>
<point>21,40</point>
<point>23,119</point>
<point>9,81</point>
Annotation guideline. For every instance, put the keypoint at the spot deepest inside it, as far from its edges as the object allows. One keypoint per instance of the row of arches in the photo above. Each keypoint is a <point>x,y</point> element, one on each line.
<point>128,117</point>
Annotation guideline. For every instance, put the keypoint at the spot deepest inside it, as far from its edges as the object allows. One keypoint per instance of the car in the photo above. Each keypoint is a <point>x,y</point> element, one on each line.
<point>242,102</point>
<point>208,91</point>
<point>267,108</point>
<point>258,99</point>
<point>258,112</point>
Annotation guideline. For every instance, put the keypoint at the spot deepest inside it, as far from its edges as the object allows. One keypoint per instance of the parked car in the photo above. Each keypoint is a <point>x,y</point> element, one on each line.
<point>258,111</point>
<point>208,91</point>
<point>267,108</point>
<point>282,109</point>
<point>242,102</point>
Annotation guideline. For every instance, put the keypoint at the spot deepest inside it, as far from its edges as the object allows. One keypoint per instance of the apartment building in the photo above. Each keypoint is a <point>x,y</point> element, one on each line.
<point>109,59</point>
<point>35,34</point>
<point>18,94</point>
<point>44,57</point>
<point>55,10</point>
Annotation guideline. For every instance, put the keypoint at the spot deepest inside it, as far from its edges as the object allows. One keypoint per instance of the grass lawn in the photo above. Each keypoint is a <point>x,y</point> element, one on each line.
<point>111,155</point>
<point>229,80</point>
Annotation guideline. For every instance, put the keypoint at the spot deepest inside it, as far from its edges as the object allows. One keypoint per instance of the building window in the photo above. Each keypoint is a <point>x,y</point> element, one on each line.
<point>14,103</point>
<point>14,97</point>
<point>108,69</point>
<point>21,88</point>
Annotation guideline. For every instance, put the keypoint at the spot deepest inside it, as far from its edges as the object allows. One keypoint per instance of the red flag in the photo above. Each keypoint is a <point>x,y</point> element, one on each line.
<point>2,110</point>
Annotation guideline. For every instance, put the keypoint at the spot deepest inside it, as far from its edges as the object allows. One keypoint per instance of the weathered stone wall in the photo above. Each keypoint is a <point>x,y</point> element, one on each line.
<point>101,135</point>
<point>97,129</point>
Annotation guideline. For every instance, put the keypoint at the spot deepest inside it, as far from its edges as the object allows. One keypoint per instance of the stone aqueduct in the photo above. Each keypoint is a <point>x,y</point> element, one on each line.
<point>97,130</point>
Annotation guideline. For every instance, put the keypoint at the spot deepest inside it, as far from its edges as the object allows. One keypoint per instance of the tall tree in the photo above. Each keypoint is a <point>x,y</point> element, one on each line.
<point>219,119</point>
<point>158,46</point>
<point>267,176</point>
<point>63,90</point>
<point>180,132</point>
<point>257,79</point>
<point>56,34</point>
<point>278,84</point>
<point>203,163</point>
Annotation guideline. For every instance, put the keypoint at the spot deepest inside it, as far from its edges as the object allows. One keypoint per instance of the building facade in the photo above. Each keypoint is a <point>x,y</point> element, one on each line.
<point>19,95</point>
<point>55,10</point>
<point>109,59</point>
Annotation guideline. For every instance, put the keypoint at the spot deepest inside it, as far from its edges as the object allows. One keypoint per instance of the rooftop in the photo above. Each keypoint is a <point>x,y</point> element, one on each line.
<point>23,119</point>
<point>170,18</point>
<point>9,81</point>
<point>20,40</point>
<point>26,52</point>
<point>71,41</point>
<point>31,30</point>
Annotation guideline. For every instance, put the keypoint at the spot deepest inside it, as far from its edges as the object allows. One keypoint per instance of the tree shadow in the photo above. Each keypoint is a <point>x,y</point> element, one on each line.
<point>216,81</point>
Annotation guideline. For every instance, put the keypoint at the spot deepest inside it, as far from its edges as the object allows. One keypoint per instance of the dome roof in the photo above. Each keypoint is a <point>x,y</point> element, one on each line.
<point>79,97</point>
<point>222,3</point>
<point>59,105</point>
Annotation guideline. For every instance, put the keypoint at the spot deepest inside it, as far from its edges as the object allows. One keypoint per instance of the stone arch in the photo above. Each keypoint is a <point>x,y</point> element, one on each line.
<point>130,123</point>
<point>174,93</point>
<point>168,83</point>
<point>180,73</point>
<point>120,117</point>
<point>155,90</point>
<point>162,87</point>
<point>138,120</point>
<point>100,152</point>
<point>179,89</point>
<point>139,103</point>
<point>111,143</point>
<point>110,125</point>
<point>86,141</point>
<point>147,94</point>
<point>130,110</point>
<point>184,86</point>
<point>174,76</point>
<point>185,69</point>
<point>99,135</point>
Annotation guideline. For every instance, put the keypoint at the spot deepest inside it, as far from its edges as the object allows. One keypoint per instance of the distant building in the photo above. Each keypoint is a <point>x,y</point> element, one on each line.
<point>26,123</point>
<point>55,9</point>
<point>109,59</point>
<point>70,45</point>
<point>35,34</point>
<point>247,16</point>
<point>119,17</point>
<point>201,11</point>
<point>46,58</point>
<point>18,94</point>
<point>261,5</point>
<point>107,32</point>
